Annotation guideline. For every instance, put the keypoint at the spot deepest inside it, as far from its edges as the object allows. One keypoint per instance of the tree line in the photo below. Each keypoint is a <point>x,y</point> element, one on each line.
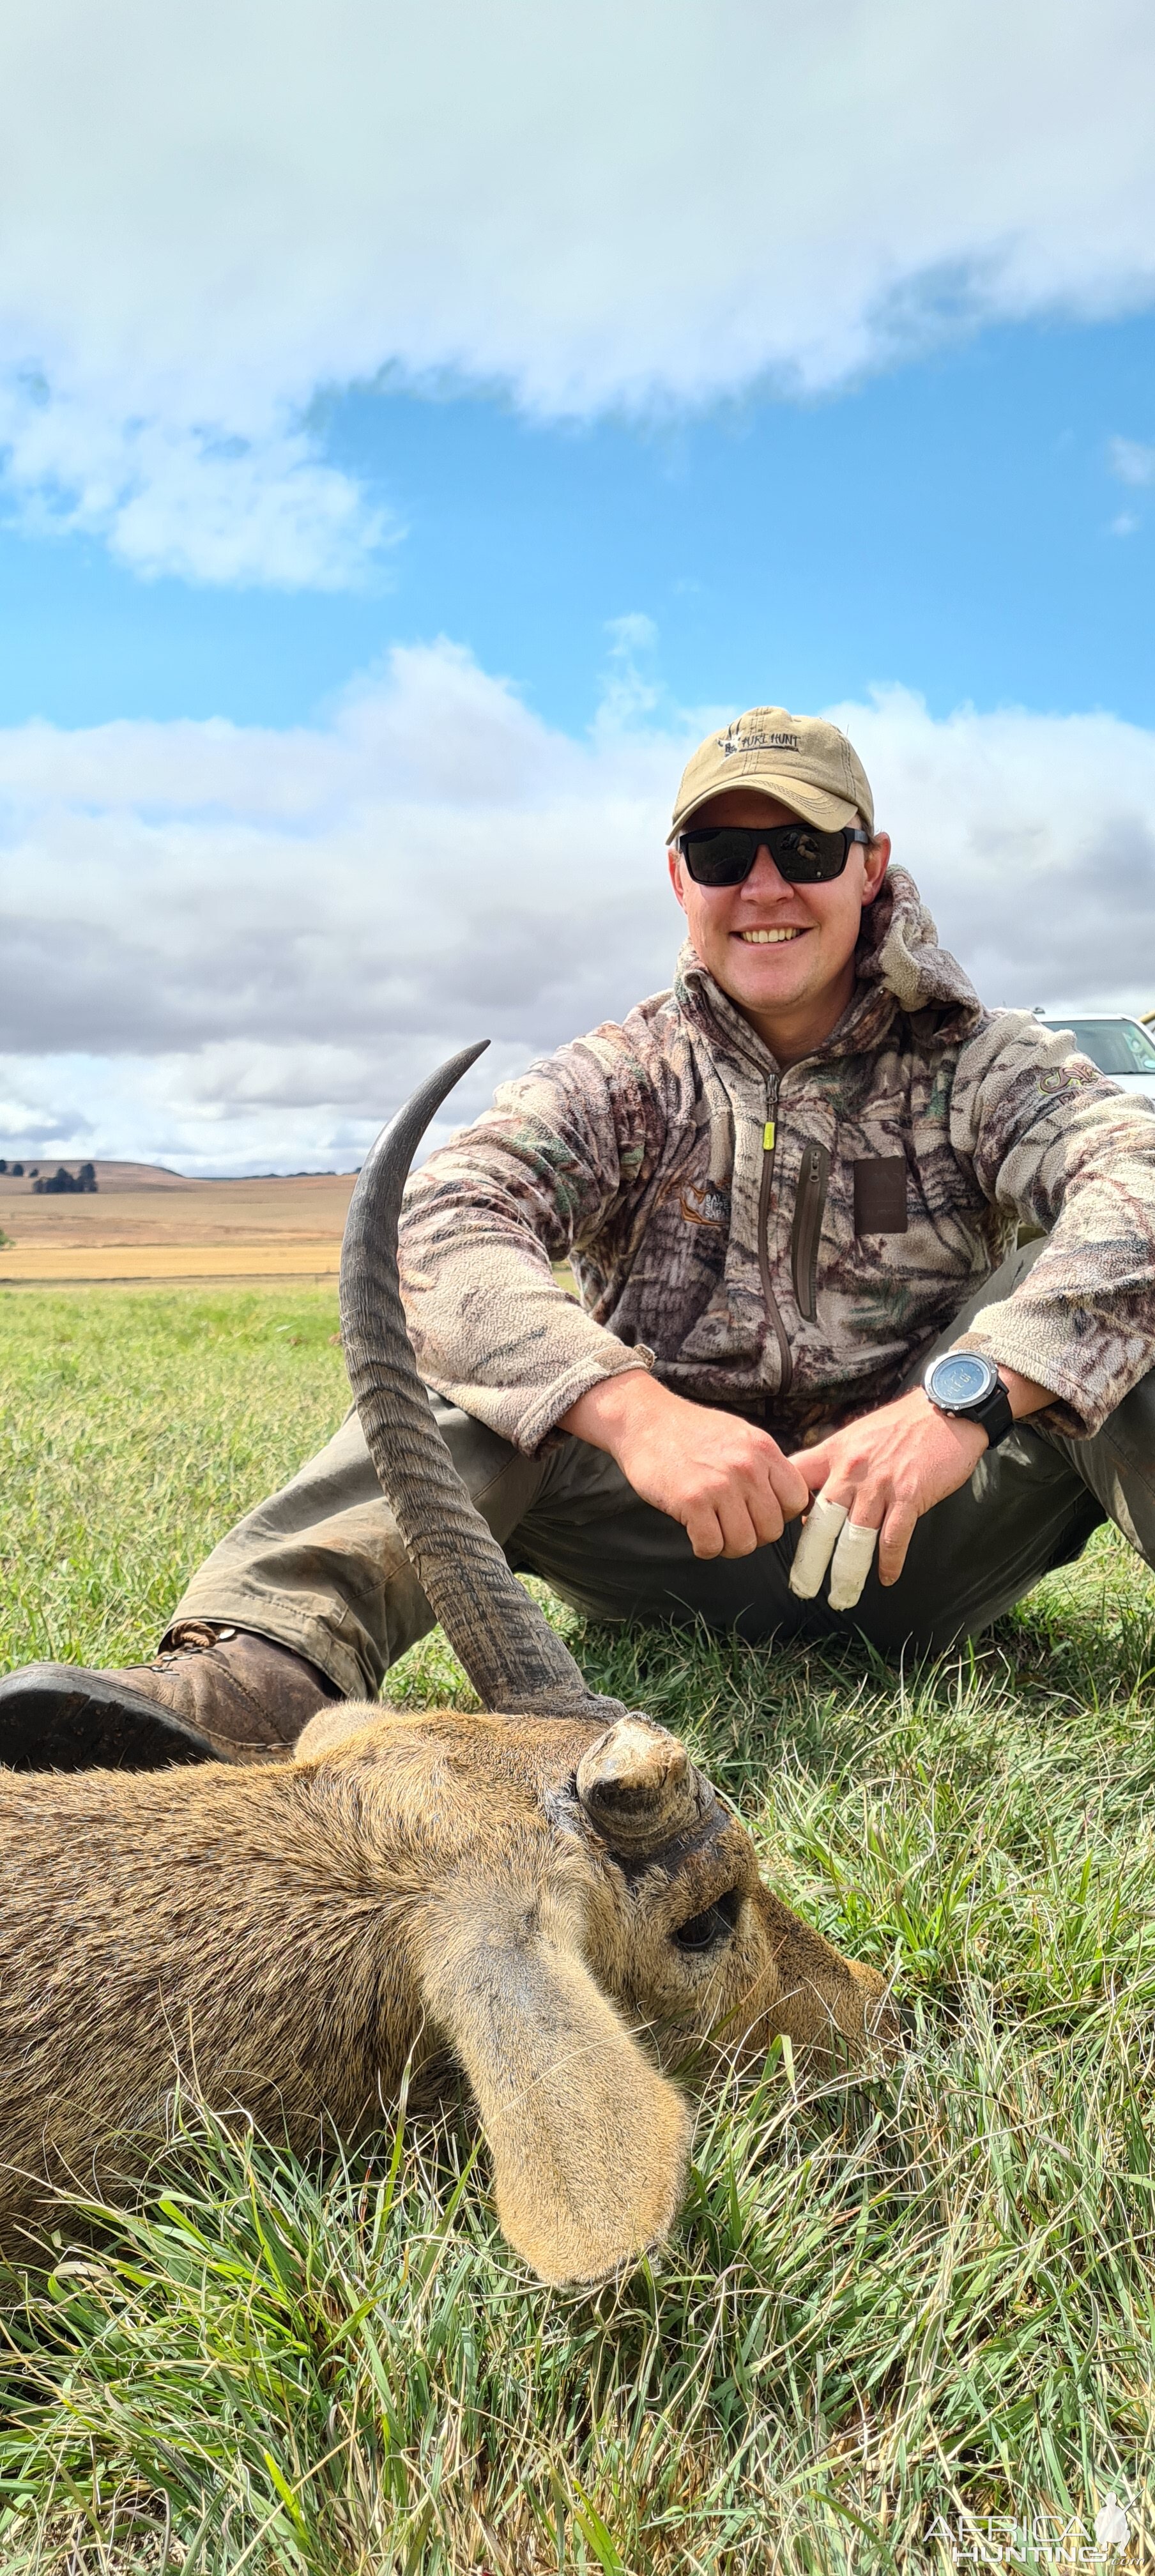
<point>55,1183</point>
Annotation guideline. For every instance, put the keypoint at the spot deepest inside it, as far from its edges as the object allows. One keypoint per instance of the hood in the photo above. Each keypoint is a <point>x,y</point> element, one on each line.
<point>899,965</point>
<point>898,949</point>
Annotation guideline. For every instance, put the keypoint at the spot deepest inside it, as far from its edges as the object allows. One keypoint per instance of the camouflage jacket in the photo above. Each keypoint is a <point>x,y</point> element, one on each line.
<point>789,1242</point>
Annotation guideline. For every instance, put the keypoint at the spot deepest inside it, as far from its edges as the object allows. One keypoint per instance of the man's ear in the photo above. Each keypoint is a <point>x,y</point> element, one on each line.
<point>676,876</point>
<point>589,2144</point>
<point>875,864</point>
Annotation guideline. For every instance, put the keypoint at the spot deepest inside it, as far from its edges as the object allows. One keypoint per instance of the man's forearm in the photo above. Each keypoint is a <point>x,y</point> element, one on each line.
<point>607,1412</point>
<point>1023,1396</point>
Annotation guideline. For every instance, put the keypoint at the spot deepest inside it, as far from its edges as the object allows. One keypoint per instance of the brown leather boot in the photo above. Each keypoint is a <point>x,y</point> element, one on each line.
<point>212,1693</point>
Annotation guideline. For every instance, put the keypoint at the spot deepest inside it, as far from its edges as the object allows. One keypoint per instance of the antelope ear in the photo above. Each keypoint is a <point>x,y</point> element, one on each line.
<point>589,2144</point>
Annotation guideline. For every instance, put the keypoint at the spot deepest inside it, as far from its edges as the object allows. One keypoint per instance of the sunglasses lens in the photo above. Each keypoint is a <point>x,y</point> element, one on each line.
<point>720,858</point>
<point>805,856</point>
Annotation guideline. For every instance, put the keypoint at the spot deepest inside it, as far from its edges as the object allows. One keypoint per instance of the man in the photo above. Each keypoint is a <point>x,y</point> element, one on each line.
<point>784,1188</point>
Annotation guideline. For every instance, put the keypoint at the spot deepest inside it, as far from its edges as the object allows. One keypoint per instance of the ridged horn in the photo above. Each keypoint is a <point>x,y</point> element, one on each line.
<point>639,1787</point>
<point>514,1659</point>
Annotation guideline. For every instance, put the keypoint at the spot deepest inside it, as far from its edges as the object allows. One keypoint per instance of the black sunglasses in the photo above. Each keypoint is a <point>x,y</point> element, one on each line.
<point>804,856</point>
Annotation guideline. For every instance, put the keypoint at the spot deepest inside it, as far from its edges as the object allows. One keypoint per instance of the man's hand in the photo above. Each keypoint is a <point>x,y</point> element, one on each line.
<point>879,1475</point>
<point>727,1482</point>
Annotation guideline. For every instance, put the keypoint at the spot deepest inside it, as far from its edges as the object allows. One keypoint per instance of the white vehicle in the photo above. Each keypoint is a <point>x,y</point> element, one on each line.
<point>1119,1047</point>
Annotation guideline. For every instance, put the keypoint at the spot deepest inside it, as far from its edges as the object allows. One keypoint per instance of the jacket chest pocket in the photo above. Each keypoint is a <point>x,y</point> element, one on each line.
<point>880,1194</point>
<point>809,1207</point>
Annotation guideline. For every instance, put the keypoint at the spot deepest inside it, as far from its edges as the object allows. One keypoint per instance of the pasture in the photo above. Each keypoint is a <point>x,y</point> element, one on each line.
<point>903,2325</point>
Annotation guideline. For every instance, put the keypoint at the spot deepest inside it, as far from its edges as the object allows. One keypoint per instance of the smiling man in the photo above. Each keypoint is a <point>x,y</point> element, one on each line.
<point>811,1380</point>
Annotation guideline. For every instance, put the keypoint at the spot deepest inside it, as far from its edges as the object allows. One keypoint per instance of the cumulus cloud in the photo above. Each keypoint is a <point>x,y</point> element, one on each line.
<point>211,213</point>
<point>253,938</point>
<point>175,497</point>
<point>237,949</point>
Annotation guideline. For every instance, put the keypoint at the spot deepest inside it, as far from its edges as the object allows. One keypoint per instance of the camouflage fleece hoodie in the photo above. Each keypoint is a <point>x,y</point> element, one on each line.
<point>789,1242</point>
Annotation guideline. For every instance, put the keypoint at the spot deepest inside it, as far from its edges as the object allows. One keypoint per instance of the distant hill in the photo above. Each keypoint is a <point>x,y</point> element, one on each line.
<point>109,1176</point>
<point>140,1176</point>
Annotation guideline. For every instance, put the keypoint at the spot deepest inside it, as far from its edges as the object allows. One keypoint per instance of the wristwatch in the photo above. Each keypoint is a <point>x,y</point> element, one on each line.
<point>966,1385</point>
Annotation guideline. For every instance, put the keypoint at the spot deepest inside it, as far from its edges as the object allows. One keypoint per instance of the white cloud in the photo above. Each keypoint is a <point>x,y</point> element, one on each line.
<point>176,498</point>
<point>234,949</point>
<point>1132,461</point>
<point>211,212</point>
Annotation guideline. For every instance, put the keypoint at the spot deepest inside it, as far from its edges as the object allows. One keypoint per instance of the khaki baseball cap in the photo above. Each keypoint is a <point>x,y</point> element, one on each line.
<point>808,765</point>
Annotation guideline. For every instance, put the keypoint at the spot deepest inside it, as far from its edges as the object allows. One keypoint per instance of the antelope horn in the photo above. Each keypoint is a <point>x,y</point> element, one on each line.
<point>639,1788</point>
<point>514,1659</point>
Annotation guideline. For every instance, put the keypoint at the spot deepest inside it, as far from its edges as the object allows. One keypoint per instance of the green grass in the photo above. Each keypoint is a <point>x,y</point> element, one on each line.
<point>900,2320</point>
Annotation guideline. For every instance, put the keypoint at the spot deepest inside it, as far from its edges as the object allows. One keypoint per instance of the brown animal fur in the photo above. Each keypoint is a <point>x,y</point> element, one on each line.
<point>294,1935</point>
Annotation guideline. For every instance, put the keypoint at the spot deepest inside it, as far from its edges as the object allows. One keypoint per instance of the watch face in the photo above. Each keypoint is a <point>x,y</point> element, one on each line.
<point>961,1378</point>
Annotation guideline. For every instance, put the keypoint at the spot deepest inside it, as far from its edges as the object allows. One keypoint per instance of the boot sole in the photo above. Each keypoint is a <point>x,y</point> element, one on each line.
<point>54,1717</point>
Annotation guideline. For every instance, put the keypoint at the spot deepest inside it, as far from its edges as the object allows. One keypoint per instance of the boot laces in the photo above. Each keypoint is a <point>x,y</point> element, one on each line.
<point>193,1637</point>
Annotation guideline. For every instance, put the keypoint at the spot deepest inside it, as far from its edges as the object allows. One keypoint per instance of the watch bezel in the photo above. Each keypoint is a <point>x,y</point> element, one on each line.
<point>978,1359</point>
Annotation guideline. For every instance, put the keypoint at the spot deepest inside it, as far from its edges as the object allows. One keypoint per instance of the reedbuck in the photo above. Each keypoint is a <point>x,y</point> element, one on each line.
<point>549,1895</point>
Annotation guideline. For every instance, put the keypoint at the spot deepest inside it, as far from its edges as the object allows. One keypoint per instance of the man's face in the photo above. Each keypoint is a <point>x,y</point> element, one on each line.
<point>778,949</point>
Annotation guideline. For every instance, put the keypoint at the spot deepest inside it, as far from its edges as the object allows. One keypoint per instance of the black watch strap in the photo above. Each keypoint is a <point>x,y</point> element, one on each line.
<point>994,1413</point>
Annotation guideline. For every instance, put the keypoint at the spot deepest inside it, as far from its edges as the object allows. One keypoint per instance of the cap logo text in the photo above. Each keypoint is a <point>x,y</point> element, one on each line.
<point>735,741</point>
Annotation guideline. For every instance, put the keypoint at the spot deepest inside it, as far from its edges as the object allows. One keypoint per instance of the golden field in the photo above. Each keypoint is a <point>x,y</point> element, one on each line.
<point>145,1224</point>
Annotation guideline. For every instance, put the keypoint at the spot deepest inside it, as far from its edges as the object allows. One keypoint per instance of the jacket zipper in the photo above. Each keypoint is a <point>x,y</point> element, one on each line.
<point>808,1212</point>
<point>769,1135</point>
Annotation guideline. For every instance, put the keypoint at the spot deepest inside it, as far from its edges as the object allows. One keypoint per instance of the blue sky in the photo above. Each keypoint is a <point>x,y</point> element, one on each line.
<point>417,426</point>
<point>953,524</point>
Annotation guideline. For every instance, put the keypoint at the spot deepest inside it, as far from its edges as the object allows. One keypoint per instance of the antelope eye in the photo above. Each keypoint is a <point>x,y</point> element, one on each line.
<point>702,1931</point>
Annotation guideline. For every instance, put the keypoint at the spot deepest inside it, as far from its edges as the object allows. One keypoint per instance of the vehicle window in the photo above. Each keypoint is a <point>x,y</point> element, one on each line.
<point>1116,1046</point>
<point>1142,1050</point>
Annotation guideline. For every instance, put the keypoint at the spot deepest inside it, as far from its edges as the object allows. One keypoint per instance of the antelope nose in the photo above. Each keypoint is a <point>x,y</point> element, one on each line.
<point>638,1786</point>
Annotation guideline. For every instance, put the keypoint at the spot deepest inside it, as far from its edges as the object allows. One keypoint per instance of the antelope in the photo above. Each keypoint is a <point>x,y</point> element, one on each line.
<point>547,1897</point>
